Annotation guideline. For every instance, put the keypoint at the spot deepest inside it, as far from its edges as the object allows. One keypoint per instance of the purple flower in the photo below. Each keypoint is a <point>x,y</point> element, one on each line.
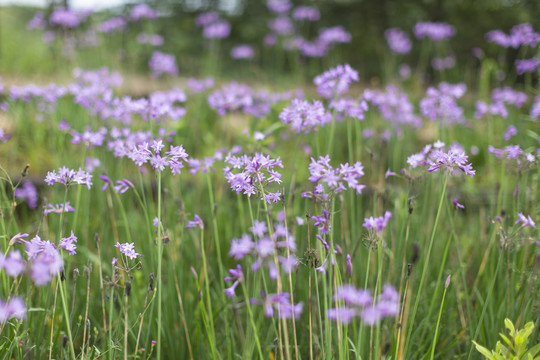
<point>174,158</point>
<point>241,247</point>
<point>434,31</point>
<point>522,34</point>
<point>142,11</point>
<point>217,30</point>
<point>29,193</point>
<point>206,18</point>
<point>440,64</point>
<point>14,308</point>
<point>377,224</point>
<point>350,107</point>
<point>510,131</point>
<point>255,171</point>
<point>335,179</point>
<point>335,81</point>
<point>394,106</point>
<point>66,18</point>
<point>196,222</point>
<point>452,159</point>
<point>152,39</point>
<point>68,177</point>
<point>45,259</point>
<point>197,86</point>
<point>361,303</point>
<point>336,34</point>
<point>279,6</point>
<point>398,41</point>
<point>58,208</point>
<point>281,304</point>
<point>111,25</point>
<point>123,185</point>
<point>528,65</point>
<point>525,221</point>
<point>305,117</point>
<point>440,103</point>
<point>13,264</point>
<point>161,63</point>
<point>457,205</point>
<point>237,276</point>
<point>68,243</point>
<point>307,13</point>
<point>281,25</point>
<point>242,52</point>
<point>128,249</point>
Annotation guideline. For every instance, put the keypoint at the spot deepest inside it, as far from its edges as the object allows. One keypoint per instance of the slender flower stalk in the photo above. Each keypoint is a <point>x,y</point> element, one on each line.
<point>434,342</point>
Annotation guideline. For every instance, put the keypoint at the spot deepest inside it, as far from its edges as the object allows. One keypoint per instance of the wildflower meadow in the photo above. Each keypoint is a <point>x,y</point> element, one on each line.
<point>217,185</point>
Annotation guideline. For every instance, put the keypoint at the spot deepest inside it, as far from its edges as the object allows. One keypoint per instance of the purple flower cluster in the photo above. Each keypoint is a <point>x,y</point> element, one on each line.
<point>398,41</point>
<point>242,52</point>
<point>128,249</point>
<point>525,221</point>
<point>13,264</point>
<point>305,117</point>
<point>350,107</point>
<point>377,224</point>
<point>255,171</point>
<point>434,31</point>
<point>142,11</point>
<point>512,152</point>
<point>196,222</point>
<point>265,248</point>
<point>197,86</point>
<point>14,308</point>
<point>151,39</point>
<point>281,304</point>
<point>151,152</point>
<point>500,97</point>
<point>441,64</point>
<point>522,34</point>
<point>394,106</point>
<point>237,276</point>
<point>360,303</point>
<point>161,63</point>
<point>306,13</point>
<point>58,208</point>
<point>111,25</point>
<point>69,177</point>
<point>213,26</point>
<point>335,81</point>
<point>528,65</point>
<point>46,260</point>
<point>27,192</point>
<point>66,18</point>
<point>279,6</point>
<point>434,157</point>
<point>335,179</point>
<point>68,244</point>
<point>440,103</point>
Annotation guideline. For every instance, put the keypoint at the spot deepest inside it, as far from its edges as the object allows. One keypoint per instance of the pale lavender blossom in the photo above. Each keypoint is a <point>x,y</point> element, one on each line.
<point>58,208</point>
<point>45,259</point>
<point>281,304</point>
<point>207,18</point>
<point>69,177</point>
<point>527,65</point>
<point>196,222</point>
<point>281,25</point>
<point>237,276</point>
<point>398,41</point>
<point>305,117</point>
<point>142,11</point>
<point>151,39</point>
<point>27,192</point>
<point>217,30</point>
<point>525,220</point>
<point>242,52</point>
<point>377,224</point>
<point>335,81</point>
<point>128,249</point>
<point>13,264</point>
<point>336,180</point>
<point>440,104</point>
<point>306,13</point>
<point>457,204</point>
<point>279,6</point>
<point>434,31</point>
<point>69,244</point>
<point>161,63</point>
<point>197,86</point>
<point>510,131</point>
<point>14,308</point>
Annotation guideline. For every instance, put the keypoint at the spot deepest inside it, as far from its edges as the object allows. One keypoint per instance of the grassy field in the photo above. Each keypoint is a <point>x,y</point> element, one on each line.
<point>271,217</point>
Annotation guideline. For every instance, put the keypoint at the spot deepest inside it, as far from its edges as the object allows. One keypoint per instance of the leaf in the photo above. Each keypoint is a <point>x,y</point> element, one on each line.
<point>534,350</point>
<point>482,350</point>
<point>510,326</point>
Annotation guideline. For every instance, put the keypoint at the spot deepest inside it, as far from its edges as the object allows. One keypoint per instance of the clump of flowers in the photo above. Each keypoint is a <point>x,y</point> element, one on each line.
<point>435,157</point>
<point>14,308</point>
<point>69,177</point>
<point>377,224</point>
<point>332,181</point>
<point>281,304</point>
<point>46,261</point>
<point>440,103</point>
<point>265,248</point>
<point>161,63</point>
<point>151,152</point>
<point>434,31</point>
<point>360,303</point>
<point>58,208</point>
<point>305,117</point>
<point>335,81</point>
<point>525,221</point>
<point>254,172</point>
<point>242,52</point>
<point>29,193</point>
<point>398,41</point>
<point>128,249</point>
